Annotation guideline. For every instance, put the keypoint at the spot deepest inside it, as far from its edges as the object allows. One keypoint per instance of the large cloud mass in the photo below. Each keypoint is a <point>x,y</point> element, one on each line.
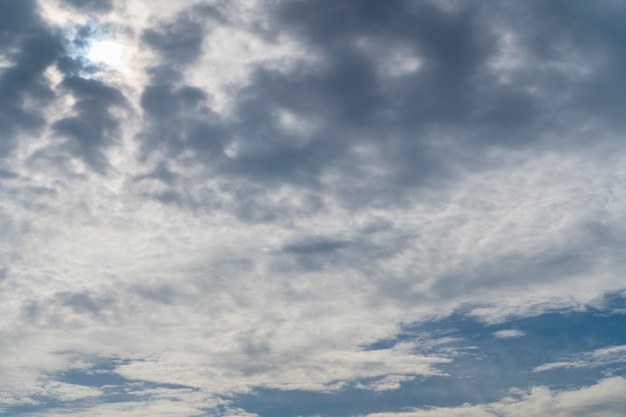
<point>267,207</point>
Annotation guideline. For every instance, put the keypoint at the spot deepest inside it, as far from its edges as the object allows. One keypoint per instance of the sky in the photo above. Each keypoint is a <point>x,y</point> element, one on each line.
<point>282,208</point>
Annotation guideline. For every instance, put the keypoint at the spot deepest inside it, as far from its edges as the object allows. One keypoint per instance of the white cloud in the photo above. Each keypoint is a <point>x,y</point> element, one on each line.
<point>605,399</point>
<point>239,314</point>
<point>509,333</point>
<point>599,357</point>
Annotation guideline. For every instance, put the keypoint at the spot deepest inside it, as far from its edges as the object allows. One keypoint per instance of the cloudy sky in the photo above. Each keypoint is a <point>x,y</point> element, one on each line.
<point>280,208</point>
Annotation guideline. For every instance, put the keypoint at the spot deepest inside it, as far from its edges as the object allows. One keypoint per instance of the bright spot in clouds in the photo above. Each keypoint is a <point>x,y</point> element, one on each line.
<point>107,52</point>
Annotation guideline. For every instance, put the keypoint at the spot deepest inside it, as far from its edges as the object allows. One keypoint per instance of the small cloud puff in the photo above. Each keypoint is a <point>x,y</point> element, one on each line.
<point>509,334</point>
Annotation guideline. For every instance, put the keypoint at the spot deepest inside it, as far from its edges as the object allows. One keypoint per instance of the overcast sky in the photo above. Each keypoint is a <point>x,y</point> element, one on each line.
<point>281,208</point>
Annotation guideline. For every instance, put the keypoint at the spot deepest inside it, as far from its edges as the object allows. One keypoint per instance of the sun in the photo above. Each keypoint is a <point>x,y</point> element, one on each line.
<point>107,52</point>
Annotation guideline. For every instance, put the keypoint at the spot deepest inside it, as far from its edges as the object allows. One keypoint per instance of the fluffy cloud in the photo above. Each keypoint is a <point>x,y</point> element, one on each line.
<point>253,194</point>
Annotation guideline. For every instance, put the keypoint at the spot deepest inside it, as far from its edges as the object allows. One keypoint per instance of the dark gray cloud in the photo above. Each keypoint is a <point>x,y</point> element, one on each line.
<point>314,245</point>
<point>93,128</point>
<point>316,252</point>
<point>178,115</point>
<point>452,45</point>
<point>83,302</point>
<point>181,119</point>
<point>421,126</point>
<point>4,174</point>
<point>363,249</point>
<point>31,46</point>
<point>57,311</point>
<point>179,42</point>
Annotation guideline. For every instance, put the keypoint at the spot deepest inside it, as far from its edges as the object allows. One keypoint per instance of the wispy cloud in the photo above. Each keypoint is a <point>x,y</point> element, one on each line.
<point>597,358</point>
<point>604,399</point>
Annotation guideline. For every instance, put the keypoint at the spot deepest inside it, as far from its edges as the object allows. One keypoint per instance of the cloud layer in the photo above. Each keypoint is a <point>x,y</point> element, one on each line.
<point>266,207</point>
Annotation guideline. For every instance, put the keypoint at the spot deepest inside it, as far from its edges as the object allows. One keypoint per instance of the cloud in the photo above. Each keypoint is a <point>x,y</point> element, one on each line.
<point>94,128</point>
<point>33,47</point>
<point>91,5</point>
<point>604,399</point>
<point>509,333</point>
<point>361,203</point>
<point>598,358</point>
<point>180,41</point>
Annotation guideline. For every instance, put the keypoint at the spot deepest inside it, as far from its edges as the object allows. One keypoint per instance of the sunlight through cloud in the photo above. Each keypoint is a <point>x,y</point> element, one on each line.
<point>107,52</point>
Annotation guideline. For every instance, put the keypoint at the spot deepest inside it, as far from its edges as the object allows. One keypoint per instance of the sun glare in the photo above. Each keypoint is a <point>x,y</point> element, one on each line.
<point>106,52</point>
